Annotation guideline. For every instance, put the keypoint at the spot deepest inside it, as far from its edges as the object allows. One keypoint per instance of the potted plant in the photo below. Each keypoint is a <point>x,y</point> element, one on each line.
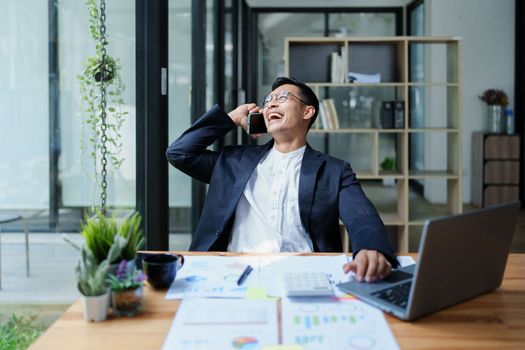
<point>101,89</point>
<point>126,288</point>
<point>100,230</point>
<point>91,279</point>
<point>388,164</point>
<point>496,101</point>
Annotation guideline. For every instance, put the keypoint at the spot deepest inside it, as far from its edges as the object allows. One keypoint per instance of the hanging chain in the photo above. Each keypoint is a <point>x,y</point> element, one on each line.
<point>103,104</point>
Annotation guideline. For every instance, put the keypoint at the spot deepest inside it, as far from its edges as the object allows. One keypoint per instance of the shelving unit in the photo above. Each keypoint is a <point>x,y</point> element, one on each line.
<point>360,138</point>
<point>496,169</point>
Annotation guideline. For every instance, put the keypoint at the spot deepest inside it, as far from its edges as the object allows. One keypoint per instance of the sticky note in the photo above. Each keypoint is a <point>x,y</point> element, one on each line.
<point>258,293</point>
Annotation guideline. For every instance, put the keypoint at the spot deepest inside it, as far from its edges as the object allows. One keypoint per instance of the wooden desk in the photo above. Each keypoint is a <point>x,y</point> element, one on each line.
<point>491,321</point>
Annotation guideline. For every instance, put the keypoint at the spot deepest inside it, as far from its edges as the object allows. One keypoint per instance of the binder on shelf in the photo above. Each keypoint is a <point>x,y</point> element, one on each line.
<point>344,62</point>
<point>323,115</point>
<point>387,114</point>
<point>333,112</point>
<point>399,112</point>
<point>377,107</point>
<point>335,61</point>
<point>337,71</point>
<point>333,118</point>
<point>317,123</point>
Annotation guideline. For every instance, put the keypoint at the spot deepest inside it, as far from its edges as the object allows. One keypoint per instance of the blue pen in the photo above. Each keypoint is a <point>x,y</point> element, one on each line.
<point>244,275</point>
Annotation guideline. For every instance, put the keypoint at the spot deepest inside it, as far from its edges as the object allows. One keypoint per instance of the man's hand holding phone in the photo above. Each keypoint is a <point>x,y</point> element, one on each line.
<point>241,115</point>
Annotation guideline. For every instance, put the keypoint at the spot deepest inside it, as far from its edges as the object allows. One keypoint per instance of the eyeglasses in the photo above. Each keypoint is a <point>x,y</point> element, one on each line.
<point>281,98</point>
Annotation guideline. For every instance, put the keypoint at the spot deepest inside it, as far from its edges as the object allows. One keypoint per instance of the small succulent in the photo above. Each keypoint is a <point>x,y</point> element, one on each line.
<point>127,277</point>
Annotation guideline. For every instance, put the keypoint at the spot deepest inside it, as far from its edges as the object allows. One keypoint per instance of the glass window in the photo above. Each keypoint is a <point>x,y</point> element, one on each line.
<point>272,29</point>
<point>77,166</point>
<point>179,103</point>
<point>26,92</point>
<point>417,93</point>
<point>362,24</point>
<point>24,110</point>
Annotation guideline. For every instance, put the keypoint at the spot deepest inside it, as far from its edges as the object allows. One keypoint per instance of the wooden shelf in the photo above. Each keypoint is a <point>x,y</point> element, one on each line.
<point>429,84</point>
<point>369,146</point>
<point>390,219</point>
<point>496,168</point>
<point>356,131</point>
<point>432,174</point>
<point>448,130</point>
<point>373,176</point>
<point>352,85</point>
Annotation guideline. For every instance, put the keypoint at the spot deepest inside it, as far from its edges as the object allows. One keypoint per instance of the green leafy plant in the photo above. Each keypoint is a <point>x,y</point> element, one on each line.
<point>99,232</point>
<point>92,101</point>
<point>130,228</point>
<point>19,332</point>
<point>127,277</point>
<point>388,164</point>
<point>91,275</point>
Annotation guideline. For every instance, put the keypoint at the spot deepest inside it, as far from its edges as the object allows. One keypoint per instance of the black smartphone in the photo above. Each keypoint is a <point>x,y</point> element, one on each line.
<point>256,124</point>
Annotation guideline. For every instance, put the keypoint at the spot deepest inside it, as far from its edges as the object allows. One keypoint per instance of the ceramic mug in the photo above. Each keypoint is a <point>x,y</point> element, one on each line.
<point>161,269</point>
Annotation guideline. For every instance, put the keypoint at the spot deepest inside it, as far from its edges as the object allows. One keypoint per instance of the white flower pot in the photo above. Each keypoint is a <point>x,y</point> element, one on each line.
<point>96,308</point>
<point>495,119</point>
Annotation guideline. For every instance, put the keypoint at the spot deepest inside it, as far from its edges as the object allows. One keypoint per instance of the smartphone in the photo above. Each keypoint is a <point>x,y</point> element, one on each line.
<point>256,124</point>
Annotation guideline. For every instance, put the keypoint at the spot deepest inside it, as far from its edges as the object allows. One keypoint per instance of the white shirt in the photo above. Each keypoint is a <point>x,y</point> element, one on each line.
<point>267,216</point>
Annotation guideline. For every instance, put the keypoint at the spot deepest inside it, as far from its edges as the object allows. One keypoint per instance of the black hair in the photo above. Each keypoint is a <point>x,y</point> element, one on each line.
<point>305,92</point>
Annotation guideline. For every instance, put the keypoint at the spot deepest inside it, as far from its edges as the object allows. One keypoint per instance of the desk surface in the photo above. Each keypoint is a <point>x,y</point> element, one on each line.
<point>494,320</point>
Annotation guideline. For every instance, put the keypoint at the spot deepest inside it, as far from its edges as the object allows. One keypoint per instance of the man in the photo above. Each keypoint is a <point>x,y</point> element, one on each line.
<point>281,196</point>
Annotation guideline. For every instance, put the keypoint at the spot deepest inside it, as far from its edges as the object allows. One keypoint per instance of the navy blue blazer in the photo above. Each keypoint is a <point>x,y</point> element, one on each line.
<point>328,190</point>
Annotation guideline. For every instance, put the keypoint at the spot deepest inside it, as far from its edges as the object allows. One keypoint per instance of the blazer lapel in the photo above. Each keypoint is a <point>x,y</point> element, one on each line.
<point>250,158</point>
<point>312,161</point>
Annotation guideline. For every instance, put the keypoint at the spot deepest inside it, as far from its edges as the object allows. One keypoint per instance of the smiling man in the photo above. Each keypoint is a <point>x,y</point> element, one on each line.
<point>283,196</point>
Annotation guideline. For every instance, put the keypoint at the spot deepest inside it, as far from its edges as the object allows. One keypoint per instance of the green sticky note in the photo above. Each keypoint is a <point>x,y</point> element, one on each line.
<point>283,347</point>
<point>258,293</point>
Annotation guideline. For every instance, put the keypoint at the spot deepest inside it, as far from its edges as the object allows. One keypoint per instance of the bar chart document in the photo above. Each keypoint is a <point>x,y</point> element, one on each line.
<point>332,324</point>
<point>223,324</point>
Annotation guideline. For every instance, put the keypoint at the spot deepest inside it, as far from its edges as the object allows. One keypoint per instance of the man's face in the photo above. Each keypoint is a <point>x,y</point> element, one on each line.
<point>284,112</point>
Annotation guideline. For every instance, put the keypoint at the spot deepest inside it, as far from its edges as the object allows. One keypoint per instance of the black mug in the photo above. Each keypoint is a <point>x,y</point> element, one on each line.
<point>161,269</point>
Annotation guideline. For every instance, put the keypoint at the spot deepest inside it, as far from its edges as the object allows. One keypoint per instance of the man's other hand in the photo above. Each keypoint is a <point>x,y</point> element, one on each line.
<point>240,114</point>
<point>369,266</point>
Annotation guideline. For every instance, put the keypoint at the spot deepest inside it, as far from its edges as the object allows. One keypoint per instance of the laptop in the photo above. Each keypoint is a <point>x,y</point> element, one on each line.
<point>460,257</point>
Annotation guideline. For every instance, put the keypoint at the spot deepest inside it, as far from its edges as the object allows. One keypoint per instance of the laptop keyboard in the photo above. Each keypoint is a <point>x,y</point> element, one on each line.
<point>397,295</point>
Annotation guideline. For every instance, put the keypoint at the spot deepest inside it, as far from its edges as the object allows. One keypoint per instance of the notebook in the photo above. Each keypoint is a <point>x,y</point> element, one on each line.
<point>460,257</point>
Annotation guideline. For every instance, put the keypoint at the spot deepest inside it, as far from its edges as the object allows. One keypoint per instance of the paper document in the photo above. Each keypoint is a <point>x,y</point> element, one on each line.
<point>354,77</point>
<point>213,276</point>
<point>217,276</point>
<point>331,324</point>
<point>405,260</point>
<point>223,324</point>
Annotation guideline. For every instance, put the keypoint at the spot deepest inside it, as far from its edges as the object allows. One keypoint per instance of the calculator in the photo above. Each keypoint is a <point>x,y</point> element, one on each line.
<point>307,284</point>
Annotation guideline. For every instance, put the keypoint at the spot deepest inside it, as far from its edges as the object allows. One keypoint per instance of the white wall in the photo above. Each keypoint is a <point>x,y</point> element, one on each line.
<point>487,29</point>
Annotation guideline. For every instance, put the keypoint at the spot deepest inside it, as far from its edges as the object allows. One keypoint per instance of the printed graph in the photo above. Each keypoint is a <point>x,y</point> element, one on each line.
<point>245,343</point>
<point>332,324</point>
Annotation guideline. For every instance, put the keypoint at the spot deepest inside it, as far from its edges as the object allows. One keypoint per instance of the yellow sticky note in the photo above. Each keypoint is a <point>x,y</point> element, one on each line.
<point>257,293</point>
<point>283,347</point>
